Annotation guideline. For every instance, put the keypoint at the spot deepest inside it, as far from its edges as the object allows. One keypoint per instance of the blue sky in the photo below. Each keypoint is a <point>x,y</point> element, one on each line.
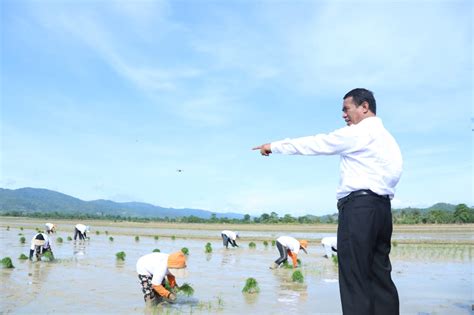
<point>107,99</point>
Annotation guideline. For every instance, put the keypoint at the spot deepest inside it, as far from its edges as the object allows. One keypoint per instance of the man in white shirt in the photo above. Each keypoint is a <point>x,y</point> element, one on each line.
<point>40,243</point>
<point>229,237</point>
<point>152,270</point>
<point>370,168</point>
<point>50,228</point>
<point>330,246</point>
<point>81,231</point>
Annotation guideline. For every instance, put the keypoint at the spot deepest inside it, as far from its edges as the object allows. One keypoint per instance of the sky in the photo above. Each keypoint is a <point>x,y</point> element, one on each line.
<point>108,99</point>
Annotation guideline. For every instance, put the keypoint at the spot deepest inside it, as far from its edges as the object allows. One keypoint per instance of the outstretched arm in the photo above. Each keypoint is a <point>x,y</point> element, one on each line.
<point>265,149</point>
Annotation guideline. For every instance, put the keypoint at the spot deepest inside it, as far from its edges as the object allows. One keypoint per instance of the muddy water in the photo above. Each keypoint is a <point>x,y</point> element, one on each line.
<point>87,279</point>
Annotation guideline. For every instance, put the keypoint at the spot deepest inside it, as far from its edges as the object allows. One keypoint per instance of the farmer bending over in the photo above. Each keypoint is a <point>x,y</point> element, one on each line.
<point>50,228</point>
<point>152,269</point>
<point>81,230</point>
<point>289,246</point>
<point>229,237</point>
<point>330,246</point>
<point>39,245</point>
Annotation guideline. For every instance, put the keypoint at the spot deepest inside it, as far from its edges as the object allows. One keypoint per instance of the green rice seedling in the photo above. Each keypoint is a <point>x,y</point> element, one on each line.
<point>59,239</point>
<point>137,238</point>
<point>173,237</point>
<point>20,234</point>
<point>252,245</point>
<point>208,248</point>
<point>22,240</point>
<point>335,260</point>
<point>97,233</point>
<point>185,250</point>
<point>265,243</point>
<point>23,257</point>
<point>106,232</point>
<point>220,302</point>
<point>111,238</point>
<point>273,242</point>
<point>8,228</point>
<point>297,276</point>
<point>156,250</point>
<point>287,265</point>
<point>120,256</point>
<point>21,228</point>
<point>69,238</point>
<point>186,289</point>
<point>251,286</point>
<point>394,243</point>
<point>48,255</point>
<point>156,237</point>
<point>7,262</point>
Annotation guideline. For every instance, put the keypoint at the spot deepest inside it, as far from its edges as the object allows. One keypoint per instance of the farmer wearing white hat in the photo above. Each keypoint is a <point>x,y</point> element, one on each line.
<point>152,270</point>
<point>81,231</point>
<point>50,228</point>
<point>330,246</point>
<point>40,244</point>
<point>229,237</point>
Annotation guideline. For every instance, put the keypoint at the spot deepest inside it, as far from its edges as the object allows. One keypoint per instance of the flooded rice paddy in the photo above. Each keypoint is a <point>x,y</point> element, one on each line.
<point>86,278</point>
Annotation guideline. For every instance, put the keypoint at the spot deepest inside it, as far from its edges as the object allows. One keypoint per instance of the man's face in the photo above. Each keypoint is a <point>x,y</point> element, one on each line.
<point>351,113</point>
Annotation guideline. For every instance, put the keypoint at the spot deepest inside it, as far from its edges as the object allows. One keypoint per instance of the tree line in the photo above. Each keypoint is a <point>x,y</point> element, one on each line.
<point>461,214</point>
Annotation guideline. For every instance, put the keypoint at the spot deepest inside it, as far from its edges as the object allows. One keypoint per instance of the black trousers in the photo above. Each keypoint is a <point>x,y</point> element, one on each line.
<point>78,233</point>
<point>226,240</point>
<point>283,253</point>
<point>363,244</point>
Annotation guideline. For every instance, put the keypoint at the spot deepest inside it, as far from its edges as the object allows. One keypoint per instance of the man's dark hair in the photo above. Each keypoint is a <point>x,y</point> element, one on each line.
<point>363,95</point>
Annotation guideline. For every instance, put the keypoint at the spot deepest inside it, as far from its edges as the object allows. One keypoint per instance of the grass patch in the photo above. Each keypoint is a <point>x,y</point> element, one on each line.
<point>7,263</point>
<point>252,245</point>
<point>23,257</point>
<point>186,289</point>
<point>156,250</point>
<point>60,239</point>
<point>251,286</point>
<point>208,248</point>
<point>185,250</point>
<point>297,276</point>
<point>120,256</point>
<point>22,240</point>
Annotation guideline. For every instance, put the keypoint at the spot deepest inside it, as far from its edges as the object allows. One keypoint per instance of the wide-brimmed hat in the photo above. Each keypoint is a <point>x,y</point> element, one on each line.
<point>39,242</point>
<point>304,245</point>
<point>177,264</point>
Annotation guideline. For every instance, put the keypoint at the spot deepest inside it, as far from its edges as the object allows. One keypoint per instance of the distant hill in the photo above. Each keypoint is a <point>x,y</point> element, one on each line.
<point>437,206</point>
<point>30,200</point>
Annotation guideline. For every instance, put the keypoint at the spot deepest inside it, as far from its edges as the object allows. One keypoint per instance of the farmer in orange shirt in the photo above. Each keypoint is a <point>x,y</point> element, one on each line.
<point>289,246</point>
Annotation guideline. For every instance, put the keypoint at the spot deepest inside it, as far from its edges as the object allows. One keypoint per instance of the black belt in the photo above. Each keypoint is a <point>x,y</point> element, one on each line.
<point>358,193</point>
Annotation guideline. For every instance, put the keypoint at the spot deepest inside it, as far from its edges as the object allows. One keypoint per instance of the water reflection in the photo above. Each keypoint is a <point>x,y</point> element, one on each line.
<point>38,273</point>
<point>290,293</point>
<point>79,250</point>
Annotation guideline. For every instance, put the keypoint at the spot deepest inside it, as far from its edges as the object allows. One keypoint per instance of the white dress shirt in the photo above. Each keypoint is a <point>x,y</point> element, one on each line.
<point>370,156</point>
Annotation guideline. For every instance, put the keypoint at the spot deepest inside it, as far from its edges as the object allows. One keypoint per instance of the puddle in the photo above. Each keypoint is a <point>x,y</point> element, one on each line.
<point>86,278</point>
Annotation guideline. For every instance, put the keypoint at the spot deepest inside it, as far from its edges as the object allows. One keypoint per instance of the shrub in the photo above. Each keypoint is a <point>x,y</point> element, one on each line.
<point>156,250</point>
<point>156,237</point>
<point>265,243</point>
<point>137,238</point>
<point>120,255</point>
<point>111,238</point>
<point>22,240</point>
<point>252,245</point>
<point>23,257</point>
<point>208,248</point>
<point>297,276</point>
<point>251,286</point>
<point>186,289</point>
<point>59,239</point>
<point>69,238</point>
<point>7,263</point>
<point>185,250</point>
